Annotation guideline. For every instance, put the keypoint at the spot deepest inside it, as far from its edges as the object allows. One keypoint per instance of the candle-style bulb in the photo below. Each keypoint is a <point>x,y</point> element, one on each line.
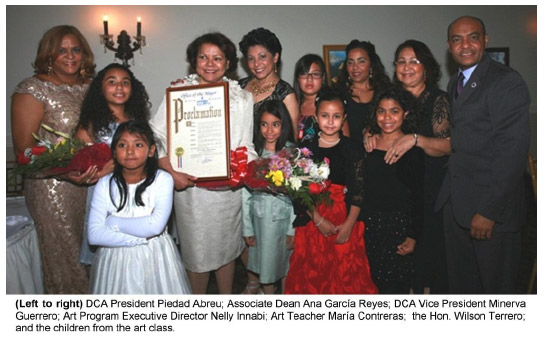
<point>105,25</point>
<point>139,27</point>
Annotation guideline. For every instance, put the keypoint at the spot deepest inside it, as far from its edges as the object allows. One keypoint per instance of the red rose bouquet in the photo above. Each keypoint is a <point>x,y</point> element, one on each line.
<point>66,154</point>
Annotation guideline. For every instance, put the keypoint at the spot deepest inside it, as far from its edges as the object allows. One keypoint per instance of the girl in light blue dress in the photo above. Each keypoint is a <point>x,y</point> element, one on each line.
<point>267,217</point>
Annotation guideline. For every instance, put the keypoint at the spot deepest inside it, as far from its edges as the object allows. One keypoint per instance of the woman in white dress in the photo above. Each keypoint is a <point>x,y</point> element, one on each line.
<point>210,222</point>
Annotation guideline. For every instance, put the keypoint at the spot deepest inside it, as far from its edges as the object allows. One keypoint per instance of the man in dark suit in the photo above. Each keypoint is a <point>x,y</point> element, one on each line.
<point>482,194</point>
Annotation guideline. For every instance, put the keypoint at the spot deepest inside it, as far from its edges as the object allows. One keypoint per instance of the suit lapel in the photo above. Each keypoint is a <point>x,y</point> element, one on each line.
<point>473,82</point>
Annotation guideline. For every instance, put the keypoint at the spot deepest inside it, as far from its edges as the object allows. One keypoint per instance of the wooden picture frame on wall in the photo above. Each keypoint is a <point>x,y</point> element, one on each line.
<point>334,57</point>
<point>499,54</point>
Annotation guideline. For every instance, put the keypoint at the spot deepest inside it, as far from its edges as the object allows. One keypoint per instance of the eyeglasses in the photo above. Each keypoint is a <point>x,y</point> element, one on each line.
<point>313,76</point>
<point>411,62</point>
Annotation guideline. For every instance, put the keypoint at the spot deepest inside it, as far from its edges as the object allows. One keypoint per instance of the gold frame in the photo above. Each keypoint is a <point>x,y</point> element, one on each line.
<point>332,76</point>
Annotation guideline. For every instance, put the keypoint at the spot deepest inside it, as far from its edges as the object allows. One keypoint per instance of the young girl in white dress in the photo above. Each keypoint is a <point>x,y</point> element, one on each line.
<point>267,218</point>
<point>129,213</point>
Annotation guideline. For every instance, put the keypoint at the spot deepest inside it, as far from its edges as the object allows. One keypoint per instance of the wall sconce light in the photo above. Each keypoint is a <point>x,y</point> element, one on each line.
<point>123,51</point>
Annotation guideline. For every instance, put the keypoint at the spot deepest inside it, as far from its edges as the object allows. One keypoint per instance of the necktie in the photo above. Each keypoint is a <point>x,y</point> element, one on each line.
<point>459,84</point>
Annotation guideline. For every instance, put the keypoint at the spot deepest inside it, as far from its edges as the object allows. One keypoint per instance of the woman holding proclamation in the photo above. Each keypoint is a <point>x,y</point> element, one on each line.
<point>210,222</point>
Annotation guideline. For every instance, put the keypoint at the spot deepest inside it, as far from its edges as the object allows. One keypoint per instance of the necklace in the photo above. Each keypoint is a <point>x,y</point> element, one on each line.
<point>333,143</point>
<point>258,90</point>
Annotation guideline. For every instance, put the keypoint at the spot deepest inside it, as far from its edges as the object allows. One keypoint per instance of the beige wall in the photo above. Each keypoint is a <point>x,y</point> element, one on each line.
<point>301,29</point>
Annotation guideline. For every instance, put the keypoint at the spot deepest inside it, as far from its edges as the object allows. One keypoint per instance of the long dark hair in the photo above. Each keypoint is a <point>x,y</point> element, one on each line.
<point>379,79</point>
<point>278,109</point>
<point>405,99</point>
<point>95,111</point>
<point>151,165</point>
<point>303,67</point>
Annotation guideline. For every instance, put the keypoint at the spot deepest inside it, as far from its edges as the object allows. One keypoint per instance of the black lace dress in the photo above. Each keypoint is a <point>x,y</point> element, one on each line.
<point>280,92</point>
<point>433,107</point>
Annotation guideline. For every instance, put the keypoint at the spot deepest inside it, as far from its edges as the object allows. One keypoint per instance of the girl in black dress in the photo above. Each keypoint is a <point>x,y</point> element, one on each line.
<point>393,205</point>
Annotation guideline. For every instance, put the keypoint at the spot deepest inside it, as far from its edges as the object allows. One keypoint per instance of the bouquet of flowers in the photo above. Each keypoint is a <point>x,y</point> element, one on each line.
<point>293,172</point>
<point>66,154</point>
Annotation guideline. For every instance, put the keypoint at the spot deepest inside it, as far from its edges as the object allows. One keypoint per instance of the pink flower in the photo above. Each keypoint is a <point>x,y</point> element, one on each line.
<point>305,152</point>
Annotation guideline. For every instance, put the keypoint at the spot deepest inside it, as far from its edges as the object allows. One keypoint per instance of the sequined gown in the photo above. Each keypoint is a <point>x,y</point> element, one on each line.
<point>58,207</point>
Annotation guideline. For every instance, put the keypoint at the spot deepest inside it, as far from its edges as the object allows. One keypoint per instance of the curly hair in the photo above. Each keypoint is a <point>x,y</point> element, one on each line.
<point>225,44</point>
<point>96,114</point>
<point>264,37</point>
<point>379,79</point>
<point>303,67</point>
<point>425,56</point>
<point>49,47</point>
<point>406,101</point>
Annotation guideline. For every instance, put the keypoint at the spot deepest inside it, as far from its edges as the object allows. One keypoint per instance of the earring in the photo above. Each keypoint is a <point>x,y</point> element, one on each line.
<point>82,71</point>
<point>276,68</point>
<point>370,74</point>
<point>50,68</point>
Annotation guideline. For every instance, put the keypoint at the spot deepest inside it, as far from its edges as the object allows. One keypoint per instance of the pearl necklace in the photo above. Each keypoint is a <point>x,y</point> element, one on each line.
<point>333,143</point>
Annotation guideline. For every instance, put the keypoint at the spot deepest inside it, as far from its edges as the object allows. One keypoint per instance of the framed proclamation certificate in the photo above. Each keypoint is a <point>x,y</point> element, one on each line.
<point>198,137</point>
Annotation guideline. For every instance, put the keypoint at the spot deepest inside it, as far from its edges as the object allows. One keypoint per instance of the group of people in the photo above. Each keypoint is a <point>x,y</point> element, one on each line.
<point>426,185</point>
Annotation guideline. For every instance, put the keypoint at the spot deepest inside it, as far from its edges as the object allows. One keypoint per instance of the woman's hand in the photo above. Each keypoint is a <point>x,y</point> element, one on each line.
<point>89,177</point>
<point>399,147</point>
<point>370,142</point>
<point>406,247</point>
<point>106,169</point>
<point>344,233</point>
<point>250,240</point>
<point>183,180</point>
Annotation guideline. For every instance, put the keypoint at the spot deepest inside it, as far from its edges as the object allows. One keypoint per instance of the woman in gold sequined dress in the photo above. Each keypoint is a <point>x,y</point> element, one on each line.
<point>63,66</point>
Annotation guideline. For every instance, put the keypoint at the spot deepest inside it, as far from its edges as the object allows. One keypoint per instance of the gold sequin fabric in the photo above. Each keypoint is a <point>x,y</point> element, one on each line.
<point>58,207</point>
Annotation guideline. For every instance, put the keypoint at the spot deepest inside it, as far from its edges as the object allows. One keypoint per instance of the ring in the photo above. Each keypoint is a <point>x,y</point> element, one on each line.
<point>396,155</point>
<point>88,181</point>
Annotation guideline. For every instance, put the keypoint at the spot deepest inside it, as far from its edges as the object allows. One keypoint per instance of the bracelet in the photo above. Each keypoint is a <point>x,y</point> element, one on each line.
<point>415,137</point>
<point>319,223</point>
